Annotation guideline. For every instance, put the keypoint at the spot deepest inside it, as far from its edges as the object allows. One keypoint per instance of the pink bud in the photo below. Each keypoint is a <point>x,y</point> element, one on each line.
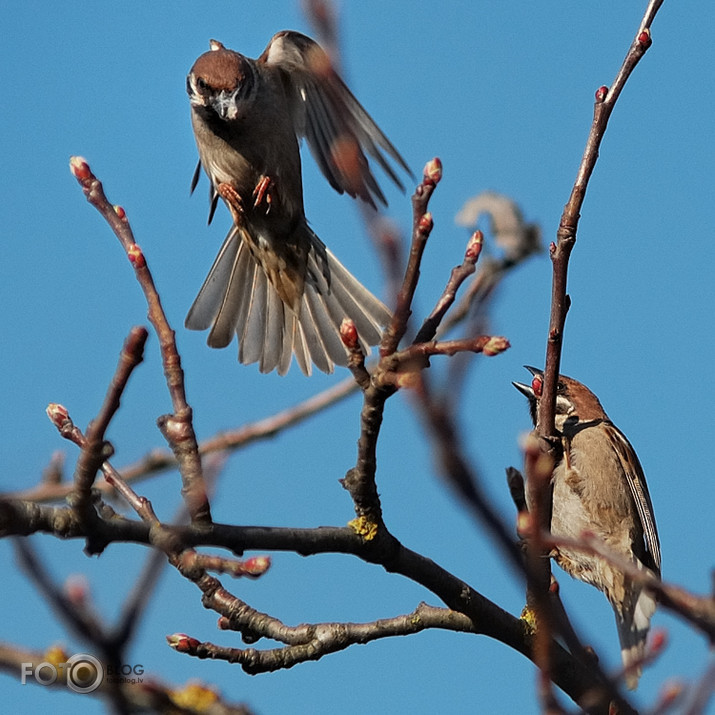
<point>474,247</point>
<point>182,642</point>
<point>120,212</point>
<point>495,345</point>
<point>257,565</point>
<point>433,171</point>
<point>80,168</point>
<point>426,223</point>
<point>57,413</point>
<point>645,39</point>
<point>601,93</point>
<point>349,334</point>
<point>136,256</point>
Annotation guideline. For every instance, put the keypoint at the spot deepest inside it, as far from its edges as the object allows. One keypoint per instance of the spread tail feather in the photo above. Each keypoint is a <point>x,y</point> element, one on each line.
<point>238,297</point>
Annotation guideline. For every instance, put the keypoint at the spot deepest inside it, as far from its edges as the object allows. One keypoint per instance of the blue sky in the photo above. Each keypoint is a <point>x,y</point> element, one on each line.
<point>502,93</point>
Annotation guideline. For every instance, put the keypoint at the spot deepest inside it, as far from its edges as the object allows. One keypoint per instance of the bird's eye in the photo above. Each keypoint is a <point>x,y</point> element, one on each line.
<point>196,84</point>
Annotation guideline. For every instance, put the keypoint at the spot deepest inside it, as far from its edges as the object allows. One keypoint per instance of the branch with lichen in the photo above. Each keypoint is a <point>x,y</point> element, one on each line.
<point>313,641</point>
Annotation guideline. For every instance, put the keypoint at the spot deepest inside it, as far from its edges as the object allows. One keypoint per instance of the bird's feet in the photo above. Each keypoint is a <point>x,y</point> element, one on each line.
<point>232,199</point>
<point>264,192</point>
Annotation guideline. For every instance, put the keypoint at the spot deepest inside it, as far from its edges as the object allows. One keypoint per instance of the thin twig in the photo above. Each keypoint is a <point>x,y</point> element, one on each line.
<point>94,450</point>
<point>178,427</point>
<point>539,489</point>
<point>160,460</point>
<point>421,228</point>
<point>457,277</point>
<point>360,480</point>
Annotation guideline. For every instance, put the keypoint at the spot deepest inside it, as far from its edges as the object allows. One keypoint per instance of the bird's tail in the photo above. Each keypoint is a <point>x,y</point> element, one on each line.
<point>239,297</point>
<point>633,625</point>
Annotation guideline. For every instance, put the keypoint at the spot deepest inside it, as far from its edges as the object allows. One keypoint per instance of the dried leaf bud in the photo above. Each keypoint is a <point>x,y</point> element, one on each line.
<point>80,168</point>
<point>349,334</point>
<point>601,93</point>
<point>433,171</point>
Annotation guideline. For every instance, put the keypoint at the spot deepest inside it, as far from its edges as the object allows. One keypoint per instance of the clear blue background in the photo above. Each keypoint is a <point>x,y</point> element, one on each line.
<point>503,93</point>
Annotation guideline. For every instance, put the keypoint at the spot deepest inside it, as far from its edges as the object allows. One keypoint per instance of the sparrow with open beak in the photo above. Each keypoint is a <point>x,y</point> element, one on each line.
<point>274,283</point>
<point>599,486</point>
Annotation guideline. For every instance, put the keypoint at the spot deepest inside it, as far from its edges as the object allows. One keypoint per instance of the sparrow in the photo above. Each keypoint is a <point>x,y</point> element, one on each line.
<point>599,486</point>
<point>274,283</point>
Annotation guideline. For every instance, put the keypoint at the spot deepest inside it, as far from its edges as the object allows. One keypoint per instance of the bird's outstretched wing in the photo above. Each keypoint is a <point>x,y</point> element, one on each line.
<point>338,129</point>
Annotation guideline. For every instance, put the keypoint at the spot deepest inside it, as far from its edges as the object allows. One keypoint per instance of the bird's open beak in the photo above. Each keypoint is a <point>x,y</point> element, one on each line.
<point>528,390</point>
<point>525,390</point>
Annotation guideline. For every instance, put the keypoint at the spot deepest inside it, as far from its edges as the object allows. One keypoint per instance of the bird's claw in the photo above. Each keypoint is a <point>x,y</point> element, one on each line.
<point>263,192</point>
<point>232,199</point>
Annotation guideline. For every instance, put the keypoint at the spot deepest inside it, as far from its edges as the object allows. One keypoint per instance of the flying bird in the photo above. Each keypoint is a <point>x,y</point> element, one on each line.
<point>274,283</point>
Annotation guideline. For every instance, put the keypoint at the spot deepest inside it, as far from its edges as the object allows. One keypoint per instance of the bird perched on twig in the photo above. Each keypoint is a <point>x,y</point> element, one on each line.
<point>274,283</point>
<point>599,487</point>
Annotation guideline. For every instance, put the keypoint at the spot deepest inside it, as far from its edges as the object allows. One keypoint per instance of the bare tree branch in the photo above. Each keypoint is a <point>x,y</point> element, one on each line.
<point>176,428</point>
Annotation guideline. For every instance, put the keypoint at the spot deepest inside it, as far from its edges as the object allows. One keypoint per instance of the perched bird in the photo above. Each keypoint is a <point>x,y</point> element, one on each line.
<point>599,486</point>
<point>274,283</point>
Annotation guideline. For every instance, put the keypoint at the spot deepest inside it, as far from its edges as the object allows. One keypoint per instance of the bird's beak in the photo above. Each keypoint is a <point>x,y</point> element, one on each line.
<point>224,105</point>
<point>525,390</point>
<point>528,390</point>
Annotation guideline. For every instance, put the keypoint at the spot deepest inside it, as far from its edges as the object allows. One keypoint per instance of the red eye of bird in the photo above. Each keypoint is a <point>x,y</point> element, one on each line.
<point>536,384</point>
